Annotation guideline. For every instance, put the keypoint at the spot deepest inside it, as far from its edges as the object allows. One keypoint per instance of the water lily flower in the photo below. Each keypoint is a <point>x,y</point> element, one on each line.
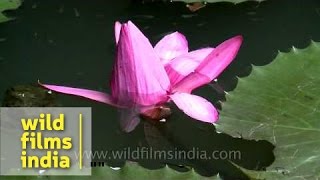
<point>145,76</point>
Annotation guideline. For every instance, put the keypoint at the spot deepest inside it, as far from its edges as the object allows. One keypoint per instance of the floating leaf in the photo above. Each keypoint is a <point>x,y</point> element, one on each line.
<point>280,103</point>
<point>214,1</point>
<point>131,171</point>
<point>8,5</point>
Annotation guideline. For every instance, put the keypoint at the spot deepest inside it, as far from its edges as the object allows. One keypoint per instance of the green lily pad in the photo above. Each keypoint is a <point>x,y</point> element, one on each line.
<point>280,103</point>
<point>8,5</point>
<point>131,171</point>
<point>214,1</point>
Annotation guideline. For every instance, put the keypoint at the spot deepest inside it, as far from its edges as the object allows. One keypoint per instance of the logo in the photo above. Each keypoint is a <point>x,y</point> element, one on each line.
<point>47,141</point>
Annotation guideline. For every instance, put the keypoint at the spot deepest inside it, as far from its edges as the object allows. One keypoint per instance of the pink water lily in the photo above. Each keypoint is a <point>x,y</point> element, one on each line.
<point>145,76</point>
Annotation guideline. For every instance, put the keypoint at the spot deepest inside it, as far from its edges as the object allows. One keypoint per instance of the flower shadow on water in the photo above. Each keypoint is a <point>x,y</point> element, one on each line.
<point>203,144</point>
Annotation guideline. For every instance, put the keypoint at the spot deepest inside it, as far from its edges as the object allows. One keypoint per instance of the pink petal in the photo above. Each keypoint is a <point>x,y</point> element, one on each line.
<point>117,28</point>
<point>129,119</point>
<point>138,76</point>
<point>90,94</point>
<point>196,107</point>
<point>211,66</point>
<point>183,65</point>
<point>171,46</point>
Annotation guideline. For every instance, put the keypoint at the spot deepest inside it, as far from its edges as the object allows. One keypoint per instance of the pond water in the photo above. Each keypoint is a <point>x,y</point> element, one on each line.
<point>71,43</point>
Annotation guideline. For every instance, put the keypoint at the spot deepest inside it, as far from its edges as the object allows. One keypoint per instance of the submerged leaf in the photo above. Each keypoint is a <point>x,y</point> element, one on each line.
<point>280,103</point>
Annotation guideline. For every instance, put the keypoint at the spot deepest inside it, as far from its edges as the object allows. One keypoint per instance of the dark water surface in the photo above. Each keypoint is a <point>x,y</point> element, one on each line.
<point>71,43</point>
